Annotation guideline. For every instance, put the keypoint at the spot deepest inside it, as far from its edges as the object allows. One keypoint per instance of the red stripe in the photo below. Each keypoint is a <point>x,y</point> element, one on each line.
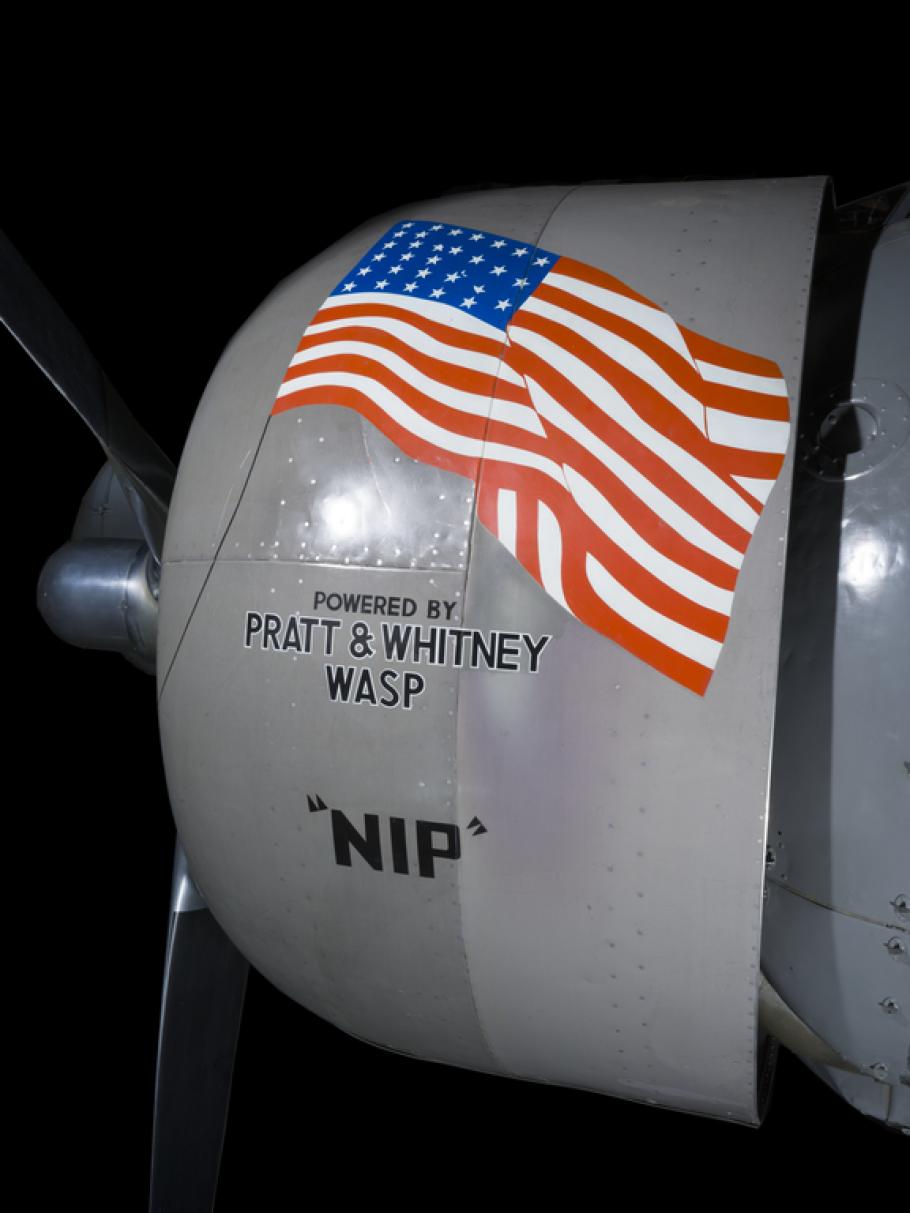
<point>649,525</point>
<point>526,548</point>
<point>580,530</point>
<point>588,273</point>
<point>706,350</point>
<point>641,457</point>
<point>645,521</point>
<point>745,404</point>
<point>469,425</point>
<point>761,465</point>
<point>433,328</point>
<point>655,410</point>
<point>479,383</point>
<point>488,507</point>
<point>719,396</point>
<point>592,610</point>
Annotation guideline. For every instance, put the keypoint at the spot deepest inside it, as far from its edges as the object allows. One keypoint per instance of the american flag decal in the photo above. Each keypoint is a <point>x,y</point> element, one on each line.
<point>621,458</point>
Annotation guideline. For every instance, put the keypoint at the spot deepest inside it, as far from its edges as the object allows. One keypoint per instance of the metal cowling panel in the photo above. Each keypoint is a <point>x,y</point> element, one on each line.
<point>591,832</point>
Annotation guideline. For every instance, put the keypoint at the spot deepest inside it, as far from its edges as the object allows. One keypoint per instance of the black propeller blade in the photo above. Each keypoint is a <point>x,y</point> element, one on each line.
<point>40,326</point>
<point>201,1008</point>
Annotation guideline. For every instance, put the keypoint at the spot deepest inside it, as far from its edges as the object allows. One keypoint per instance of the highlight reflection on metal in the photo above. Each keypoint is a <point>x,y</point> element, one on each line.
<point>344,516</point>
<point>781,1022</point>
<point>185,897</point>
<point>102,594</point>
<point>866,557</point>
<point>320,510</point>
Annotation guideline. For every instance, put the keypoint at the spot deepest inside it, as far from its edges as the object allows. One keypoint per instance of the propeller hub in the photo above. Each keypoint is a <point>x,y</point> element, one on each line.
<point>103,594</point>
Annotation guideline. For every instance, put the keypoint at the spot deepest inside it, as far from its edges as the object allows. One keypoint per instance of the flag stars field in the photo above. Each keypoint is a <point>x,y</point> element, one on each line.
<point>445,263</point>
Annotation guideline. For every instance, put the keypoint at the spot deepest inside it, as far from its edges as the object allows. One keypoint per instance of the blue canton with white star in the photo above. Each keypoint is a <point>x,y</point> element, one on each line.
<point>487,276</point>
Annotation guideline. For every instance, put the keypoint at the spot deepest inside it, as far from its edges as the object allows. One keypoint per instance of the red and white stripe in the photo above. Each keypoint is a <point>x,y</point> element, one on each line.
<point>623,460</point>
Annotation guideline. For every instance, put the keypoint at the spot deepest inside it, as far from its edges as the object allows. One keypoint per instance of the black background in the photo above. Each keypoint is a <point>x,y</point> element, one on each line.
<point>159,240</point>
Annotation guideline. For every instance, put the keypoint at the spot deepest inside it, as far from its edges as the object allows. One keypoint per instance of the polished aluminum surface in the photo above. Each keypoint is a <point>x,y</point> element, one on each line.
<point>835,944</point>
<point>600,927</point>
<point>103,594</point>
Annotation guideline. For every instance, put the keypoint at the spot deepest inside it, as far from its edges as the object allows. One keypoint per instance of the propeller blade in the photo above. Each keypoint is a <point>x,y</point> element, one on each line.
<point>40,326</point>
<point>201,1008</point>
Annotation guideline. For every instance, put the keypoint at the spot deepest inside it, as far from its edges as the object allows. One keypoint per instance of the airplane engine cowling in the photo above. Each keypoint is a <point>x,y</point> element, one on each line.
<point>470,622</point>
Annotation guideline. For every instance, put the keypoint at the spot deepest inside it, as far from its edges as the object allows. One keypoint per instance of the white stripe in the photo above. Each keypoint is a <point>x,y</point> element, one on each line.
<point>418,425</point>
<point>748,433</point>
<point>606,397</point>
<point>417,339</point>
<point>653,319</point>
<point>507,518</point>
<point>695,588</point>
<point>508,411</point>
<point>681,639</point>
<point>624,352</point>
<point>653,497</point>
<point>758,488</point>
<point>767,385</point>
<point>549,553</point>
<point>442,313</point>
